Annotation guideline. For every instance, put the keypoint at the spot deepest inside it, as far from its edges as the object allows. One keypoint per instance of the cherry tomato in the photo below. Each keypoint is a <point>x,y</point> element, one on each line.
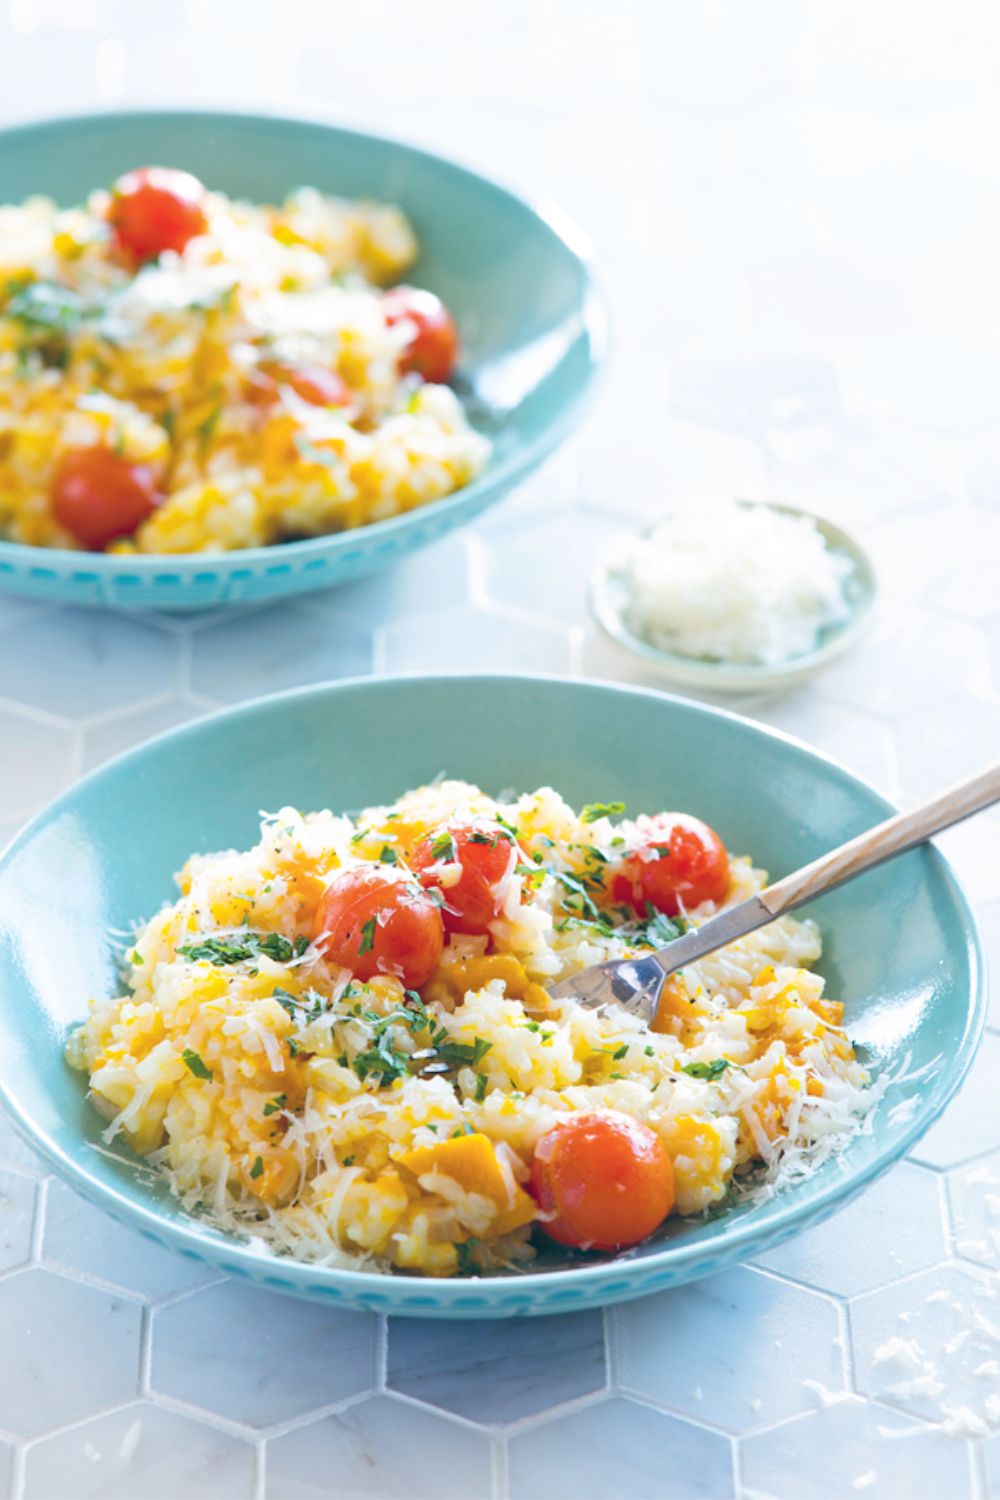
<point>373,920</point>
<point>155,209</point>
<point>98,496</point>
<point>683,864</point>
<point>606,1179</point>
<point>485,854</point>
<point>313,383</point>
<point>433,348</point>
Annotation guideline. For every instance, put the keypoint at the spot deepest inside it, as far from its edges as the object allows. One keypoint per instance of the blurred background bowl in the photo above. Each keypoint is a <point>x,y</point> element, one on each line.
<point>515,277</point>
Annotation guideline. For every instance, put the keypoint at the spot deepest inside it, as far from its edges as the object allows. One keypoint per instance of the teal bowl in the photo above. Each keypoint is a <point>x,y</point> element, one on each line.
<point>900,943</point>
<point>516,277</point>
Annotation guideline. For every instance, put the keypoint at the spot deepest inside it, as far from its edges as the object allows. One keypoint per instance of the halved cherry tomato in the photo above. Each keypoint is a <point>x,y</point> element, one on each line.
<point>99,497</point>
<point>485,854</point>
<point>606,1179</point>
<point>433,348</point>
<point>374,920</point>
<point>683,864</point>
<point>155,209</point>
<point>313,383</point>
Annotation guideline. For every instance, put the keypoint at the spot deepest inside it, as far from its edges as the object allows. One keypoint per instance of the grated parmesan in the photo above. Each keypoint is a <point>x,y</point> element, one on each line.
<point>736,583</point>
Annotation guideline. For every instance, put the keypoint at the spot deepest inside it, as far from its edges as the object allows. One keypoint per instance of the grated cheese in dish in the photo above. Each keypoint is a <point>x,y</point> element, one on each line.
<point>736,583</point>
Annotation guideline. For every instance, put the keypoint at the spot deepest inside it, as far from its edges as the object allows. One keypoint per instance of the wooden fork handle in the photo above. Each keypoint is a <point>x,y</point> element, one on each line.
<point>894,836</point>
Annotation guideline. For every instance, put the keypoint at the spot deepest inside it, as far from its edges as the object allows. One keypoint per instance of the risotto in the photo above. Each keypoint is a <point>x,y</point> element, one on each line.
<point>340,1043</point>
<point>182,372</point>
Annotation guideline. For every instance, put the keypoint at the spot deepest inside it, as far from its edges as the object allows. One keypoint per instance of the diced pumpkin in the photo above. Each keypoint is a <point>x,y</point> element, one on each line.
<point>471,1161</point>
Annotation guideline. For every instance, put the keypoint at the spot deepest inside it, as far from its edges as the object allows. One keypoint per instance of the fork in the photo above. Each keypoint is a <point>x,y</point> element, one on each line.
<point>637,983</point>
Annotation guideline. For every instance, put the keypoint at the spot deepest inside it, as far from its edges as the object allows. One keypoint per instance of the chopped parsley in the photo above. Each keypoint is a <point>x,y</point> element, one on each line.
<point>257,1168</point>
<point>195,1064</point>
<point>276,1105</point>
<point>206,427</point>
<point>367,937</point>
<point>224,951</point>
<point>595,810</point>
<point>709,1071</point>
<point>388,856</point>
<point>443,848</point>
<point>46,307</point>
<point>466,1252</point>
<point>481,1082</point>
<point>620,1052</point>
<point>462,1054</point>
<point>578,900</point>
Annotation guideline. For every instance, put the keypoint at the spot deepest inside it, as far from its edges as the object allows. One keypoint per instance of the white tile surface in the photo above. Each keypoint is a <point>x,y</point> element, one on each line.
<point>269,649</point>
<point>974,1193</point>
<point>499,1371</point>
<point>258,1358</point>
<point>78,1237</point>
<point>143,1452</point>
<point>862,1247</point>
<point>76,1350</point>
<point>620,1450</point>
<point>731,1328</point>
<point>36,760</point>
<point>971,1123</point>
<point>929,1345</point>
<point>382,1449</point>
<point>18,1196</point>
<point>794,213</point>
<point>855,1448</point>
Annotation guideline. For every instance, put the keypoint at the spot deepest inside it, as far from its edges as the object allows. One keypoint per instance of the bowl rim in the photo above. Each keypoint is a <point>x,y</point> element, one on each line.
<point>746,677</point>
<point>594,321</point>
<point>203,1242</point>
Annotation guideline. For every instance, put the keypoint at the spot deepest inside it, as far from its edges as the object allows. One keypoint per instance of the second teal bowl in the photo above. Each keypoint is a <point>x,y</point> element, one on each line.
<point>516,279</point>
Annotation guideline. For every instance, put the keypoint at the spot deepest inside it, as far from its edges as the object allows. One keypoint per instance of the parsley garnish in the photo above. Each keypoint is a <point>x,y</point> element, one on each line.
<point>595,810</point>
<point>257,1168</point>
<point>195,1064</point>
<point>367,937</point>
<point>206,428</point>
<point>481,1082</point>
<point>465,1250</point>
<point>709,1071</point>
<point>223,951</point>
<point>461,1054</point>
<point>443,848</point>
<point>388,856</point>
<point>275,1105</point>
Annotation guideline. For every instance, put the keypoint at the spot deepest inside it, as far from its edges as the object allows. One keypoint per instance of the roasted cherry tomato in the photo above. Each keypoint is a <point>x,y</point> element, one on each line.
<point>155,209</point>
<point>374,920</point>
<point>99,497</point>
<point>683,864</point>
<point>433,348</point>
<point>313,383</point>
<point>605,1179</point>
<point>468,862</point>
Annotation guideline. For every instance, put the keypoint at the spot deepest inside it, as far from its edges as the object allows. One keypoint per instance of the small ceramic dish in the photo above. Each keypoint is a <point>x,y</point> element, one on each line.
<point>516,277</point>
<point>900,944</point>
<point>610,595</point>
